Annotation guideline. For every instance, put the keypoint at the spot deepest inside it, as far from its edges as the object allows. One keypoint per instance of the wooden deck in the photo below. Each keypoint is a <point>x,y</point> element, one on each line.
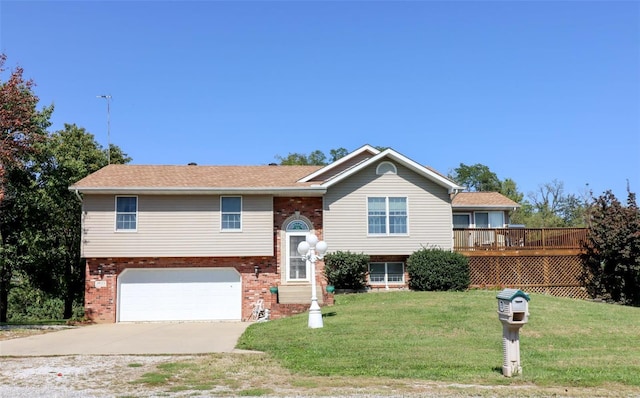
<point>539,260</point>
<point>547,240</point>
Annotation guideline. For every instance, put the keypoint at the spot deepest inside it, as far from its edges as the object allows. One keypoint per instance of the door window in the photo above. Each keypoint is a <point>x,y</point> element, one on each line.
<point>296,265</point>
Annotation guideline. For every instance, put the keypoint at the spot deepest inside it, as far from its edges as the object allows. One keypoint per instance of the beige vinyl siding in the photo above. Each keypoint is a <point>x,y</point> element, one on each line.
<point>177,226</point>
<point>428,207</point>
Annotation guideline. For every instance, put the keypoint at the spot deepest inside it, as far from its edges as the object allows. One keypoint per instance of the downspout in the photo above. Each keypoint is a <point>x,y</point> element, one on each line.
<point>81,221</point>
<point>452,194</point>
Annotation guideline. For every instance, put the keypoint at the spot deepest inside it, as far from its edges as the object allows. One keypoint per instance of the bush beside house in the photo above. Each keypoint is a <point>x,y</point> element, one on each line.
<point>436,269</point>
<point>346,270</point>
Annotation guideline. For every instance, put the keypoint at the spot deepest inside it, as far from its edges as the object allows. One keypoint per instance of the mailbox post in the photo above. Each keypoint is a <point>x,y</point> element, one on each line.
<point>513,312</point>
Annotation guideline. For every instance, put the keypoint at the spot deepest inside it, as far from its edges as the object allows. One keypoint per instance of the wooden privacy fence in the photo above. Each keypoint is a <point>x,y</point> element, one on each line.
<point>536,260</point>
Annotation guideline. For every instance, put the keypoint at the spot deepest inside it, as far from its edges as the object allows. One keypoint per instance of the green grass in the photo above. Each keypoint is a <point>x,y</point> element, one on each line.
<point>456,337</point>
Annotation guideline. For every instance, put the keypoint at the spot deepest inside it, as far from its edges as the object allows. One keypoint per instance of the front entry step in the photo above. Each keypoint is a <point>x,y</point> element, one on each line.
<point>297,294</point>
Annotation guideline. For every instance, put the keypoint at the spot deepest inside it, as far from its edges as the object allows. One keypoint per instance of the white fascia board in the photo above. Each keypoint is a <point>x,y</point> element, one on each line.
<point>420,169</point>
<point>307,191</point>
<point>483,207</point>
<point>405,161</point>
<point>367,148</point>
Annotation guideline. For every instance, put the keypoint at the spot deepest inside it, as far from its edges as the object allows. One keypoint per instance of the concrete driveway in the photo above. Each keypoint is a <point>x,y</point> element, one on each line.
<point>130,338</point>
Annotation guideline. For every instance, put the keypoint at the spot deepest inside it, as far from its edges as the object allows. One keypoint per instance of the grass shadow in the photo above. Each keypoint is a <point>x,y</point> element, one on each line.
<point>332,313</point>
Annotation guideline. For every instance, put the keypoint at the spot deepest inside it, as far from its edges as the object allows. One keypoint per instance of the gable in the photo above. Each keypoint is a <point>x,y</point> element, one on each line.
<point>396,158</point>
<point>346,212</point>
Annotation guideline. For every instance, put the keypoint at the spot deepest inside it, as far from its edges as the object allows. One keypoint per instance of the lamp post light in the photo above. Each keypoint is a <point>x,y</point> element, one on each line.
<point>313,250</point>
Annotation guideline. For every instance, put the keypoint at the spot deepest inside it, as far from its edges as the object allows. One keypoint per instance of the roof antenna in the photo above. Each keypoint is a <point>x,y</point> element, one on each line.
<point>108,98</point>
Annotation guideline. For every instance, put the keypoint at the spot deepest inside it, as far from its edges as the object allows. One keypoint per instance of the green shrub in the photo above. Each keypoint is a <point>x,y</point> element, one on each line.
<point>346,270</point>
<point>436,269</point>
<point>29,304</point>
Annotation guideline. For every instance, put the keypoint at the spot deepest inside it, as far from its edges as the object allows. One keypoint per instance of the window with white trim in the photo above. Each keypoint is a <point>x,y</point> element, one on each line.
<point>126,213</point>
<point>491,219</point>
<point>297,266</point>
<point>231,213</point>
<point>386,168</point>
<point>387,215</point>
<point>386,273</point>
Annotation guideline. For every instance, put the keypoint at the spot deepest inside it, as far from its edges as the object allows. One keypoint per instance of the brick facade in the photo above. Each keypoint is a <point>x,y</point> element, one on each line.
<point>102,273</point>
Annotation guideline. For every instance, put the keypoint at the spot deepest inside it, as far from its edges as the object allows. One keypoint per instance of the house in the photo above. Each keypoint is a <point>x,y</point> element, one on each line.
<point>207,242</point>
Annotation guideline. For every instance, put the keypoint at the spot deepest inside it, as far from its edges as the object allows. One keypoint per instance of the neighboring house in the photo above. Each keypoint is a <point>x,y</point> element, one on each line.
<point>207,242</point>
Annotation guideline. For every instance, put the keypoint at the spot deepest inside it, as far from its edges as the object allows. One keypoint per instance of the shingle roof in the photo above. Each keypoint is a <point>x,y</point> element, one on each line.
<point>153,177</point>
<point>482,199</point>
<point>142,176</point>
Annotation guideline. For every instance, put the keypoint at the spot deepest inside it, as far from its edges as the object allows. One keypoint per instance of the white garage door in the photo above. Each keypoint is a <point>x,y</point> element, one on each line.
<point>179,294</point>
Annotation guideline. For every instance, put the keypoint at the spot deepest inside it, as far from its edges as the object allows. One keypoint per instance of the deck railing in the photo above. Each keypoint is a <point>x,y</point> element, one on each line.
<point>468,239</point>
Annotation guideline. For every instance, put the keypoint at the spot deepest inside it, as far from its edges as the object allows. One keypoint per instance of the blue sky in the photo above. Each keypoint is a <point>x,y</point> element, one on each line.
<point>536,91</point>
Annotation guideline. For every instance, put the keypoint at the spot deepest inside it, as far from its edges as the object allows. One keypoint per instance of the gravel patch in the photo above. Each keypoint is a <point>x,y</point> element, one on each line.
<point>8,332</point>
<point>75,376</point>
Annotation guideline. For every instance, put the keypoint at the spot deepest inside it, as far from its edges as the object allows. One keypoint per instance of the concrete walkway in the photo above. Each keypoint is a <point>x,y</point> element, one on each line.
<point>131,338</point>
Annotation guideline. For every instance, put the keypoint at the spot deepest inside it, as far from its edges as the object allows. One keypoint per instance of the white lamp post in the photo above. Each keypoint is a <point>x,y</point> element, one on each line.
<point>312,251</point>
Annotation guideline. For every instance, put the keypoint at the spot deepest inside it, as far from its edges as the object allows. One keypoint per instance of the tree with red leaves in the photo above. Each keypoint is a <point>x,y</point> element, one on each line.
<point>611,257</point>
<point>21,125</point>
<point>22,128</point>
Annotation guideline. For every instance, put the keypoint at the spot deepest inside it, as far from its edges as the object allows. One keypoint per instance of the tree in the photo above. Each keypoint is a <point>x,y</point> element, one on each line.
<point>67,156</point>
<point>17,216</point>
<point>509,188</point>
<point>316,158</point>
<point>476,178</point>
<point>549,206</point>
<point>338,153</point>
<point>21,127</point>
<point>611,259</point>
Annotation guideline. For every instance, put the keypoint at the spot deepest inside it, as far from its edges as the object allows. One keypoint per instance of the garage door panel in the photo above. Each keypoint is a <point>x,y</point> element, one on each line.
<point>180,294</point>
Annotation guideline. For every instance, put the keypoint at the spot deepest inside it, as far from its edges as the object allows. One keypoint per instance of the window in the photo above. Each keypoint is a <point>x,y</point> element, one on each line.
<point>386,168</point>
<point>296,232</point>
<point>386,273</point>
<point>461,220</point>
<point>231,213</point>
<point>387,215</point>
<point>297,269</point>
<point>126,213</point>
<point>492,219</point>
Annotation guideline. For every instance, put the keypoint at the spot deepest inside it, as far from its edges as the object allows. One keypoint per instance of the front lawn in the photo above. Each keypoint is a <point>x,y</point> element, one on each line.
<point>456,337</point>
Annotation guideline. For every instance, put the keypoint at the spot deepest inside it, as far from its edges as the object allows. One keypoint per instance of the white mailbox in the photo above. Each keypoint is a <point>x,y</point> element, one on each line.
<point>513,306</point>
<point>513,312</point>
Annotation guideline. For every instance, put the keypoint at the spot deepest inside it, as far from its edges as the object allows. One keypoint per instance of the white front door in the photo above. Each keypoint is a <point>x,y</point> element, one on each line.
<point>297,267</point>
